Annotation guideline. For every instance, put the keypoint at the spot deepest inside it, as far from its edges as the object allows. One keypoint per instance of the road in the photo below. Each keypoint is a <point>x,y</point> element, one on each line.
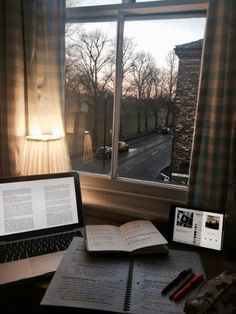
<point>146,158</point>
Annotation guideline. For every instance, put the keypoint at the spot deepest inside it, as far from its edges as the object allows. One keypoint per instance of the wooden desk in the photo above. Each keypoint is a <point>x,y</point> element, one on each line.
<point>27,296</point>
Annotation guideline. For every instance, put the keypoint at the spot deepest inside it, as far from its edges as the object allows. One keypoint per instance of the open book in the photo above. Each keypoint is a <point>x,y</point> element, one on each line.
<point>135,237</point>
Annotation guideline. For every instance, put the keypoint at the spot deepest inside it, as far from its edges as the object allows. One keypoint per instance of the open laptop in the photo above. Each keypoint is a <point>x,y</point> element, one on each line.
<point>39,216</point>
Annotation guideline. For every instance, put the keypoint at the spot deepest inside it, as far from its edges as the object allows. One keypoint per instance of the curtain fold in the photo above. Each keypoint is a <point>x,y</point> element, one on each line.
<point>212,170</point>
<point>31,72</point>
<point>12,118</point>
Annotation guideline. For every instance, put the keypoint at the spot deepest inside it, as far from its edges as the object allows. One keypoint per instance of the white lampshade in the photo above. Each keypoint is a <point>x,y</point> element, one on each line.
<point>44,154</point>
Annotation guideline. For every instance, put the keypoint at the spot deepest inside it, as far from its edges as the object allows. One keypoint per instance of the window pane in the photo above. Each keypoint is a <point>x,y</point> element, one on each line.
<point>147,0</point>
<point>89,89</point>
<point>83,3</point>
<point>161,65</point>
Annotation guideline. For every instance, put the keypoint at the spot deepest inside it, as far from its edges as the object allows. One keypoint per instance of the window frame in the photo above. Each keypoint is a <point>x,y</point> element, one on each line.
<point>119,197</point>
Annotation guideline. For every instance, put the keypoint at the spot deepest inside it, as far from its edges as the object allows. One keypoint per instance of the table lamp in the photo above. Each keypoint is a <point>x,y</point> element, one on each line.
<point>44,154</point>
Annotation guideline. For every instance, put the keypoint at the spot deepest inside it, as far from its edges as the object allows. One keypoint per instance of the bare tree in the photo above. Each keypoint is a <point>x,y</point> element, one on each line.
<point>90,72</point>
<point>127,62</point>
<point>72,86</point>
<point>90,61</point>
<point>154,92</point>
<point>141,82</point>
<point>172,73</point>
<point>171,80</point>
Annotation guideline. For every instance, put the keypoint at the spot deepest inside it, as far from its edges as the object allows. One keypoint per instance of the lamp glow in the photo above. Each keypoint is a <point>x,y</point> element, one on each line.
<point>88,150</point>
<point>43,137</point>
<point>45,153</point>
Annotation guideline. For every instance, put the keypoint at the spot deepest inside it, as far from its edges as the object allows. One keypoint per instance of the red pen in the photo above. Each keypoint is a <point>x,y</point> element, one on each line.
<point>186,281</point>
<point>190,285</point>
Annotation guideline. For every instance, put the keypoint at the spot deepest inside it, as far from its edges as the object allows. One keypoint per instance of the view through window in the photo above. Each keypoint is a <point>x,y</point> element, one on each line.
<point>89,90</point>
<point>160,73</point>
<point>83,3</point>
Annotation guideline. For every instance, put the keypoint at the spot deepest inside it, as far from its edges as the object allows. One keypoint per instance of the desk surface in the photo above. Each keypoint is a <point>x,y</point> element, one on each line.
<point>27,296</point>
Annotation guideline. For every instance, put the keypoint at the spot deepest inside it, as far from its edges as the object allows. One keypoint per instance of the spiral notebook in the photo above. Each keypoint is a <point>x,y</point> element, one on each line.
<point>118,284</point>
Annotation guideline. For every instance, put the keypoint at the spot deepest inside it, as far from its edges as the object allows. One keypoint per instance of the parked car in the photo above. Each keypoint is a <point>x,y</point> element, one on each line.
<point>123,146</point>
<point>165,130</point>
<point>104,152</point>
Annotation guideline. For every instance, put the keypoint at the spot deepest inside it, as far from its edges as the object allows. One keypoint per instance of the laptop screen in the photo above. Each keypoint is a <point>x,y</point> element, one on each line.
<point>198,227</point>
<point>38,202</point>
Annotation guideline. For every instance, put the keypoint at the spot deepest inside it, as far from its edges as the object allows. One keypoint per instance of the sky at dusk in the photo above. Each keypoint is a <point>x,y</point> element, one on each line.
<point>160,36</point>
<point>157,37</point>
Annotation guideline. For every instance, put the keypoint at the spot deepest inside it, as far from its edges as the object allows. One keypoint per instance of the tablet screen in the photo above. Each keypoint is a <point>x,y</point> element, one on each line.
<point>197,227</point>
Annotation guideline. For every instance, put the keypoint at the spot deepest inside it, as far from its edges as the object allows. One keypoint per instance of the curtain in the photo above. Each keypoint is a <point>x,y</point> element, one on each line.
<point>31,75</point>
<point>212,171</point>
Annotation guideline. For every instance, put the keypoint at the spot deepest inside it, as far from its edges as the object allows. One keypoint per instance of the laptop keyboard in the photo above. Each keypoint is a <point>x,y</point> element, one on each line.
<point>37,246</point>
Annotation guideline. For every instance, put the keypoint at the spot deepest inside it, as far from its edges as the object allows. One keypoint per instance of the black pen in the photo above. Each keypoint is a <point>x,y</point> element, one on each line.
<point>183,284</point>
<point>174,282</point>
<point>196,280</point>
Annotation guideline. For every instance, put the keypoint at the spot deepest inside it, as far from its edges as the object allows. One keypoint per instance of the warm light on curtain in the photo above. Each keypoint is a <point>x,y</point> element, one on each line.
<point>45,147</point>
<point>44,154</point>
<point>31,87</point>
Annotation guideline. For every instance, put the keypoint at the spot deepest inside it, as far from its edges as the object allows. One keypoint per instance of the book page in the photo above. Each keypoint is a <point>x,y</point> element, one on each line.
<point>152,274</point>
<point>141,233</point>
<point>104,238</point>
<point>88,281</point>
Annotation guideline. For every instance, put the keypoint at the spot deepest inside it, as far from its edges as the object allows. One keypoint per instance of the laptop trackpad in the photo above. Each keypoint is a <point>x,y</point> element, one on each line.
<point>30,267</point>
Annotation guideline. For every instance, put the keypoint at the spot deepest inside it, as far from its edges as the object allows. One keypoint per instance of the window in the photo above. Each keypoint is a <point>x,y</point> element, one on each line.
<point>131,84</point>
<point>84,3</point>
<point>89,88</point>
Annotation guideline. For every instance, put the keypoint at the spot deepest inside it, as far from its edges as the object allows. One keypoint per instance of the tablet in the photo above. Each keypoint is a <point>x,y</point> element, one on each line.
<point>196,227</point>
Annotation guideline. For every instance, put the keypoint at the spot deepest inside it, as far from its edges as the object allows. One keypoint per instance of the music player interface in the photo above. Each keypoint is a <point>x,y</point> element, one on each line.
<point>200,228</point>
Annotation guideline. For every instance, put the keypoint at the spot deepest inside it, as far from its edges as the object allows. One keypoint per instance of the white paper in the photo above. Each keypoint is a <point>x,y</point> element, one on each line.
<point>86,282</point>
<point>128,237</point>
<point>141,233</point>
<point>152,274</point>
<point>104,238</point>
<point>105,282</point>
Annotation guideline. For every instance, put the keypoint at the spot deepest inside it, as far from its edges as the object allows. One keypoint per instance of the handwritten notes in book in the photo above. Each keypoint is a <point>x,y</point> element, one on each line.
<point>86,282</point>
<point>120,283</point>
<point>135,237</point>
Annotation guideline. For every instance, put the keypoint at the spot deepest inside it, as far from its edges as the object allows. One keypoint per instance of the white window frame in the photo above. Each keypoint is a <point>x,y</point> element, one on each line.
<point>117,197</point>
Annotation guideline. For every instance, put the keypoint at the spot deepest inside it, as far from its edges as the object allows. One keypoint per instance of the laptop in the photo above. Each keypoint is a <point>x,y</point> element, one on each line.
<point>196,227</point>
<point>39,216</point>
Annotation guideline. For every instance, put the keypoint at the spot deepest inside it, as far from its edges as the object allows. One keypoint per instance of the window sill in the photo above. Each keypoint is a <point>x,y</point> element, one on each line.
<point>122,199</point>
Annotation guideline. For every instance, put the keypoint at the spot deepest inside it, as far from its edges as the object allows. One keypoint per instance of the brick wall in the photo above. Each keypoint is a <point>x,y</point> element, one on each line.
<point>186,98</point>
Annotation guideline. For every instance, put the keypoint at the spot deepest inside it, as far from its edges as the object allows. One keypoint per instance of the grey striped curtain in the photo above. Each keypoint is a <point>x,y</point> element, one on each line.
<point>213,172</point>
<point>31,56</point>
